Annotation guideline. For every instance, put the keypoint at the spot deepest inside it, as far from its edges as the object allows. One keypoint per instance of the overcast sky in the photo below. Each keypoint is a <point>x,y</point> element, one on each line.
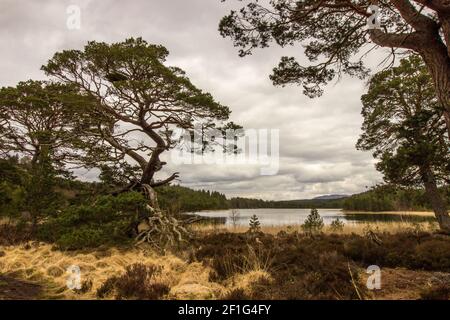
<point>317,136</point>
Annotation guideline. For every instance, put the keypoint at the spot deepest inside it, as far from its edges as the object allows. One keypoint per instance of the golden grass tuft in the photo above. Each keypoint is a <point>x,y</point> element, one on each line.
<point>354,228</point>
<point>43,265</point>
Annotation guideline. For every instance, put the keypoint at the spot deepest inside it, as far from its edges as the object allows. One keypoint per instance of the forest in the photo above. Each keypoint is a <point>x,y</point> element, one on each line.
<point>380,198</point>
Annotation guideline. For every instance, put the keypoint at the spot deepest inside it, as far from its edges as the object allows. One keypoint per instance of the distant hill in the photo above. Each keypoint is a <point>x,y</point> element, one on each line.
<point>331,197</point>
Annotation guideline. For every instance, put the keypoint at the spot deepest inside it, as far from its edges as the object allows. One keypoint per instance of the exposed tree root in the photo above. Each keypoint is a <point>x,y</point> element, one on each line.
<point>161,230</point>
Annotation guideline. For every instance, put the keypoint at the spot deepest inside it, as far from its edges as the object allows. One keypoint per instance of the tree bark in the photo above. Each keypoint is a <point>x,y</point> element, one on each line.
<point>438,204</point>
<point>427,42</point>
<point>154,164</point>
<point>438,63</point>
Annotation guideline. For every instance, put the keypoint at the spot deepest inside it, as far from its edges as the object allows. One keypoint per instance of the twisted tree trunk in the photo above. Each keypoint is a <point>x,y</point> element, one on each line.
<point>427,42</point>
<point>438,203</point>
<point>438,63</point>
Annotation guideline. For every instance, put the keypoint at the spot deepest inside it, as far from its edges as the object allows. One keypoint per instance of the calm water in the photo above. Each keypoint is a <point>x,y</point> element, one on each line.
<point>274,217</point>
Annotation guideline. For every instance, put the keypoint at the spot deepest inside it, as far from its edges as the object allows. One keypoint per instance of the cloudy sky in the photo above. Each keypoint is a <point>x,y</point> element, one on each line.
<point>317,137</point>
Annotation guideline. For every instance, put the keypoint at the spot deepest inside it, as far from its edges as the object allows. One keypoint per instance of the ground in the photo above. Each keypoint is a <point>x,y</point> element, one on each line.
<point>15,289</point>
<point>223,265</point>
<point>404,284</point>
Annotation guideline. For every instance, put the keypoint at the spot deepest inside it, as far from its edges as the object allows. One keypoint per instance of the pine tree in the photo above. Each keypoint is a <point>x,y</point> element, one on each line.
<point>255,225</point>
<point>337,225</point>
<point>41,200</point>
<point>313,223</point>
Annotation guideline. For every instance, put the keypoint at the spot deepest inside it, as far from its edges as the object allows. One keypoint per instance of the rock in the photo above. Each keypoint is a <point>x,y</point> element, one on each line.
<point>2,254</point>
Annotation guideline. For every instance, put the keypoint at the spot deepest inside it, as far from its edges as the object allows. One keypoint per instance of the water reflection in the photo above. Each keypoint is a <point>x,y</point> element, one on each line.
<point>276,217</point>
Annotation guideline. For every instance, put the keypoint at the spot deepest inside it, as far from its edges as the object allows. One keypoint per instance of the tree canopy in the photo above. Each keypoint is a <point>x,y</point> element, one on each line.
<point>335,38</point>
<point>407,132</point>
<point>139,99</point>
<point>42,117</point>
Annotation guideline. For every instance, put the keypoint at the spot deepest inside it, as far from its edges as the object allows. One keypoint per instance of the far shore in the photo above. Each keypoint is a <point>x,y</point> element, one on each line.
<point>403,212</point>
<point>417,213</point>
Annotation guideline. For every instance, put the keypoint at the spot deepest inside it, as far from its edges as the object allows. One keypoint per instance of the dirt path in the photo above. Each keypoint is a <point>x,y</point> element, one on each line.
<point>404,284</point>
<point>14,289</point>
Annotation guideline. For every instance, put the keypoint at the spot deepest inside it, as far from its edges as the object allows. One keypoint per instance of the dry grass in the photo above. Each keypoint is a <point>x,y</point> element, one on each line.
<point>38,263</point>
<point>357,228</point>
<point>41,264</point>
<point>4,220</point>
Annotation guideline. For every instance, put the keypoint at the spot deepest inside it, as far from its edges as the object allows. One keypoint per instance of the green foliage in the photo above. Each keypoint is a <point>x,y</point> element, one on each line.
<point>39,117</point>
<point>391,198</point>
<point>167,99</point>
<point>255,225</point>
<point>337,225</point>
<point>27,192</point>
<point>108,220</point>
<point>82,237</point>
<point>405,128</point>
<point>41,200</point>
<point>331,34</point>
<point>12,192</point>
<point>313,223</point>
<point>403,125</point>
<point>11,197</point>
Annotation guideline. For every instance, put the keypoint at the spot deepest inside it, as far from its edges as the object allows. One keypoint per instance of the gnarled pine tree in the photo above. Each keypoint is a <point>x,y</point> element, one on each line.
<point>405,130</point>
<point>334,32</point>
<point>140,101</point>
<point>38,117</point>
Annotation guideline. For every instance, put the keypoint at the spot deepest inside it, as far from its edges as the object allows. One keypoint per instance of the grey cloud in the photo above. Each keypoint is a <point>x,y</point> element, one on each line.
<point>317,137</point>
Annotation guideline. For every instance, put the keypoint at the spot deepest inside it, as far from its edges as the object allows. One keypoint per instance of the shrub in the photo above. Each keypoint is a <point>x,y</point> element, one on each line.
<point>236,294</point>
<point>301,267</point>
<point>231,262</point>
<point>226,265</point>
<point>313,223</point>
<point>11,198</point>
<point>322,267</point>
<point>337,225</point>
<point>437,292</point>
<point>12,234</point>
<point>433,254</point>
<point>429,252</point>
<point>138,282</point>
<point>108,220</point>
<point>84,237</point>
<point>255,225</point>
<point>86,286</point>
<point>362,249</point>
